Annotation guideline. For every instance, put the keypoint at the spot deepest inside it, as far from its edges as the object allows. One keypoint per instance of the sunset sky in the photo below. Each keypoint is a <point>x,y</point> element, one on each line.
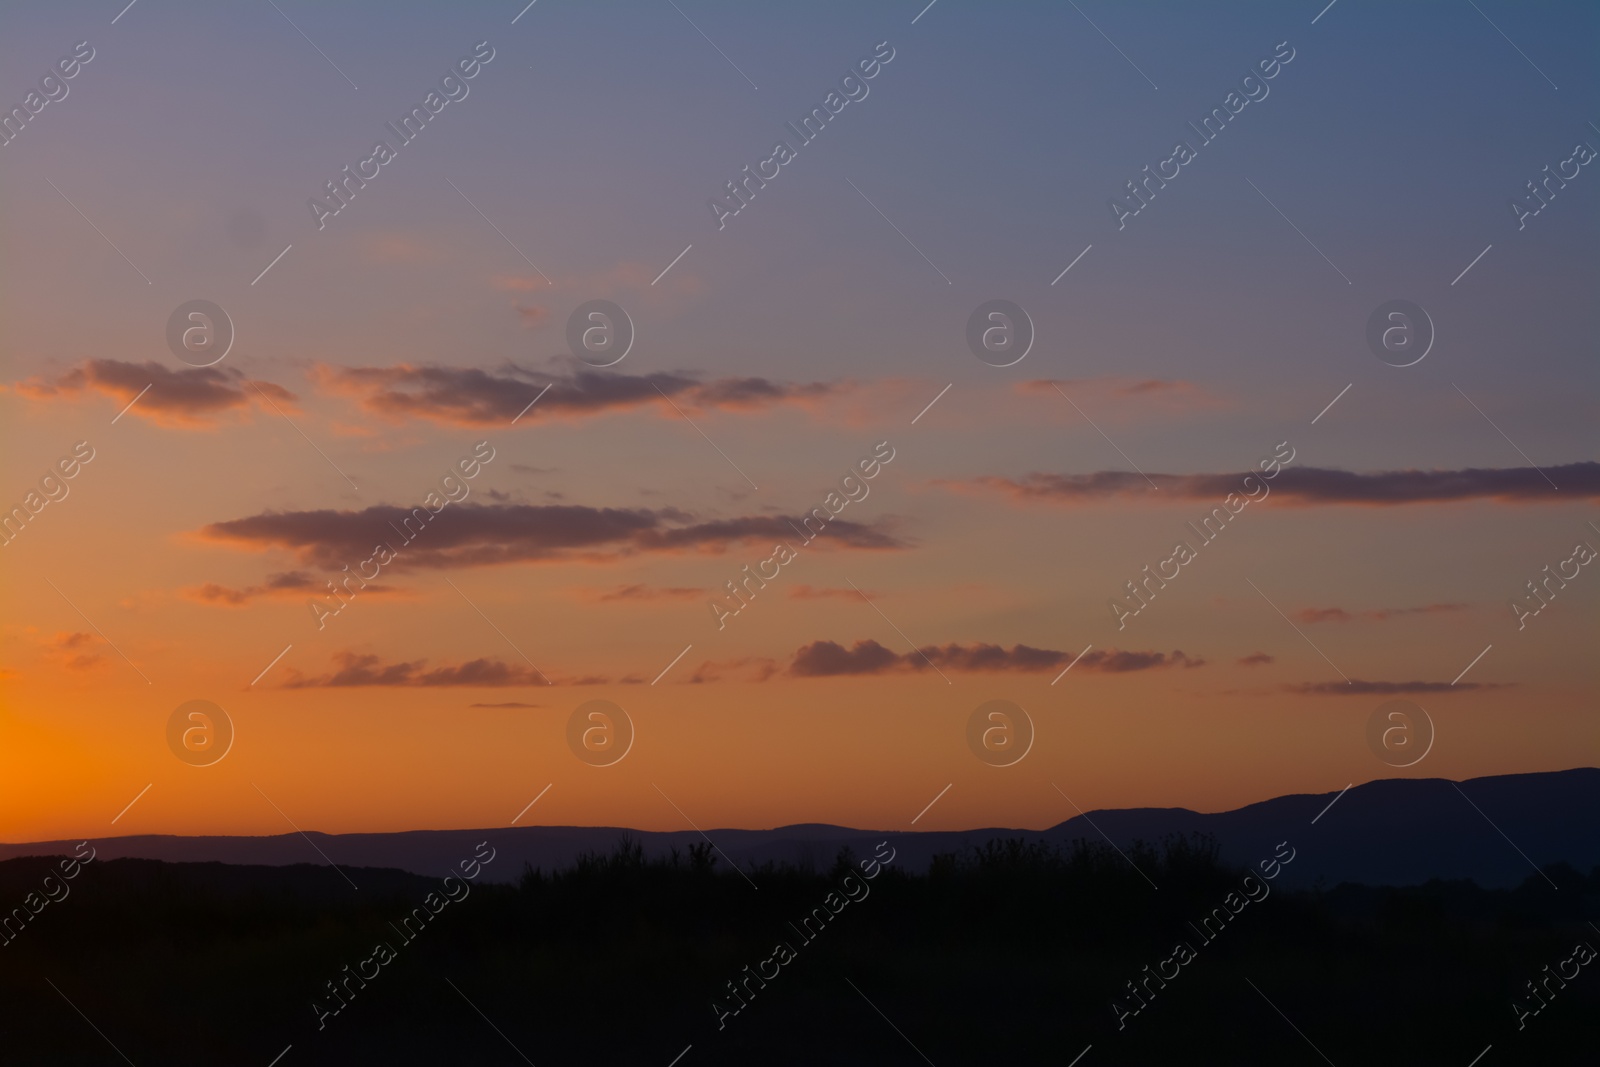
<point>771,358</point>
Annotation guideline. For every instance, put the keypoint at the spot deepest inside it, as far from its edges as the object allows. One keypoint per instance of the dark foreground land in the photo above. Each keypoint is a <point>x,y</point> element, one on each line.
<point>1019,954</point>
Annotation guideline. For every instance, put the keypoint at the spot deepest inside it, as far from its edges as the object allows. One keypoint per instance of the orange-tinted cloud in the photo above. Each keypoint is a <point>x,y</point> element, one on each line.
<point>533,316</point>
<point>290,585</point>
<point>637,592</point>
<point>395,248</point>
<point>753,668</point>
<point>514,283</point>
<point>807,592</point>
<point>465,396</point>
<point>828,659</point>
<point>1254,659</point>
<point>479,535</point>
<point>76,651</point>
<point>1122,399</point>
<point>191,398</point>
<point>1323,615</point>
<point>628,277</point>
<point>369,670</point>
<point>1377,614</point>
<point>1357,687</point>
<point>1313,485</point>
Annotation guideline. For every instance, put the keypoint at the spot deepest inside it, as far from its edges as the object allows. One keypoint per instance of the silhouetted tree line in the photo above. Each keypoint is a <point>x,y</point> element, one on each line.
<point>1009,953</point>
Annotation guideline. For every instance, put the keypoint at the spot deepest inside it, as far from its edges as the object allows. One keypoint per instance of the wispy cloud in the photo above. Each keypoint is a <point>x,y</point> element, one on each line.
<point>357,670</point>
<point>290,585</point>
<point>77,651</point>
<point>397,248</point>
<point>745,669</point>
<point>1375,614</point>
<point>533,316</point>
<point>465,396</point>
<point>1310,486</point>
<point>637,592</point>
<point>1358,687</point>
<point>828,658</point>
<point>808,592</point>
<point>1121,400</point>
<point>481,535</point>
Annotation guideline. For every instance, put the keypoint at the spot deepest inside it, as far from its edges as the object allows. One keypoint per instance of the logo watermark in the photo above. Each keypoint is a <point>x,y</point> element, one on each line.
<point>853,87</point>
<point>1540,194</point>
<point>1210,528</point>
<point>600,333</point>
<point>199,333</point>
<point>344,988</point>
<point>599,733</point>
<point>853,888</point>
<point>54,890</point>
<point>53,89</point>
<point>855,489</point>
<point>1400,733</point>
<point>452,88</point>
<point>455,489</point>
<point>999,333</point>
<point>1210,928</point>
<point>1541,593</point>
<point>53,488</point>
<point>1400,333</point>
<point>1254,88</point>
<point>1000,733</point>
<point>199,733</point>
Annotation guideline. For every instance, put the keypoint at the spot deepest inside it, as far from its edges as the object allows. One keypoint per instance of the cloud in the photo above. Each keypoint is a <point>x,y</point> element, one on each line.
<point>754,668</point>
<point>480,535</point>
<point>807,592</point>
<point>76,651</point>
<point>1306,486</point>
<point>1255,659</point>
<point>533,316</point>
<point>1112,661</point>
<point>828,659</point>
<point>639,281</point>
<point>637,592</point>
<point>823,659</point>
<point>1376,614</point>
<point>395,248</point>
<point>464,396</point>
<point>514,283</point>
<point>290,585</point>
<point>1120,399</point>
<point>1323,615</point>
<point>1357,687</point>
<point>191,398</point>
<point>368,670</point>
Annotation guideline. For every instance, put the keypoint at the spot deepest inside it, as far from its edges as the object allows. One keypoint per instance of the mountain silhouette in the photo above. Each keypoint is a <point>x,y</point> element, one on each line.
<point>1495,831</point>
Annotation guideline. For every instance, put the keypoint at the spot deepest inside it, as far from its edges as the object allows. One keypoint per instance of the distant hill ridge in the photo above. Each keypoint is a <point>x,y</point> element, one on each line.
<point>1397,831</point>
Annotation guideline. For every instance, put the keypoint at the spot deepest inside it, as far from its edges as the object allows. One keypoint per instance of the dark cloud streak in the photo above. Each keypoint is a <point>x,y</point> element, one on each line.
<point>465,396</point>
<point>483,535</point>
<point>1358,687</point>
<point>821,659</point>
<point>190,398</point>
<point>1316,485</point>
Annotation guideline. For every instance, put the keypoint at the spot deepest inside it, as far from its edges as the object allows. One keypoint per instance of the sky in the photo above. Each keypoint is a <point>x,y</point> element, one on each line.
<point>1180,353</point>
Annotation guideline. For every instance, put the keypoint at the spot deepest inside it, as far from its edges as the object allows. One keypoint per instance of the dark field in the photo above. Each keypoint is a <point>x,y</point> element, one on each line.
<point>1013,955</point>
